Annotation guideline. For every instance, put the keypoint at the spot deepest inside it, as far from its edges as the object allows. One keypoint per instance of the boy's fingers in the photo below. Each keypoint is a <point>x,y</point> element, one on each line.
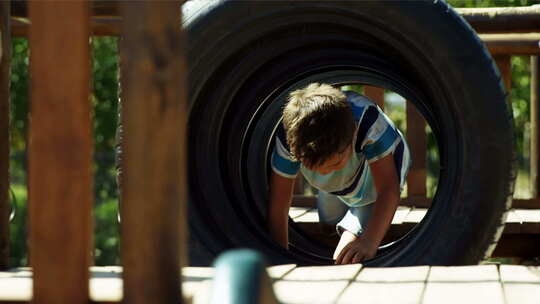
<point>347,259</point>
<point>342,254</point>
<point>358,257</point>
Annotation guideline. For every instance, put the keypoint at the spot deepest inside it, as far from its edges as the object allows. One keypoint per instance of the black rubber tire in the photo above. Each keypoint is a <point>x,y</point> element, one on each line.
<point>244,56</point>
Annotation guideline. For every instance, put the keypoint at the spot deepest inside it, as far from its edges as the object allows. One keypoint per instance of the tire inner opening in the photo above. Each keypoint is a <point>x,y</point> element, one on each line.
<point>418,192</point>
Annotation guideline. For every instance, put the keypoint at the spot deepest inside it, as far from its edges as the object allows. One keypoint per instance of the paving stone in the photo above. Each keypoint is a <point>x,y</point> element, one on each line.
<point>278,271</point>
<point>295,212</point>
<point>312,216</point>
<point>415,215</point>
<point>513,222</point>
<point>470,292</point>
<point>512,217</point>
<point>381,293</point>
<point>476,273</point>
<point>394,274</point>
<point>200,292</point>
<point>400,215</point>
<point>312,292</point>
<point>527,293</point>
<point>16,288</point>
<point>530,220</point>
<point>519,274</point>
<point>197,273</point>
<point>324,273</point>
<point>106,289</point>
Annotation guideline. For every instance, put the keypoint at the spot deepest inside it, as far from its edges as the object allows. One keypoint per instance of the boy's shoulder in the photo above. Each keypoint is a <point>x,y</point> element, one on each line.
<point>358,102</point>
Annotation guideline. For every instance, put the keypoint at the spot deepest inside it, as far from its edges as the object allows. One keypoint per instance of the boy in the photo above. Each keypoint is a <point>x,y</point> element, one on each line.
<point>348,149</point>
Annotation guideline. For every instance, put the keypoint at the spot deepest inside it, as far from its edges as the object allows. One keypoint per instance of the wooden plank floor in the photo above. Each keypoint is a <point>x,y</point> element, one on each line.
<point>518,220</point>
<point>335,284</point>
<point>521,235</point>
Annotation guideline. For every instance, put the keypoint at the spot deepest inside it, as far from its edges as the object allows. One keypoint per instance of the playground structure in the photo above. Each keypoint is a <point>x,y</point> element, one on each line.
<point>151,69</point>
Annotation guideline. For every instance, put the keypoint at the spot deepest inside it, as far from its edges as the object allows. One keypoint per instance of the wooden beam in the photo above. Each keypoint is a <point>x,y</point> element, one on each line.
<point>416,201</point>
<point>535,128</point>
<point>106,21</point>
<point>483,20</point>
<point>60,155</point>
<point>299,184</point>
<point>518,245</point>
<point>99,26</point>
<point>514,44</point>
<point>503,19</point>
<point>154,175</point>
<point>101,8</point>
<point>19,27</point>
<point>5,62</point>
<point>413,201</point>
<point>417,139</point>
<point>105,26</point>
<point>376,94</point>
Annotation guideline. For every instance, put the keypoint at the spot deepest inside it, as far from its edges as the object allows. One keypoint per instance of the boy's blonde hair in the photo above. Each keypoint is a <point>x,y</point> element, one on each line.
<point>319,123</point>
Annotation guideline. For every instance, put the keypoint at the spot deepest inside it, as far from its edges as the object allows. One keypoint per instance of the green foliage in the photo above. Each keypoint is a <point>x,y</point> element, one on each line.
<point>18,131</point>
<point>105,105</point>
<point>18,227</point>
<point>104,101</point>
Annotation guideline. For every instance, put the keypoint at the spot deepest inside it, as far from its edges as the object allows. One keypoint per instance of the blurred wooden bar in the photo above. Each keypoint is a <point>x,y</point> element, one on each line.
<point>5,79</point>
<point>299,184</point>
<point>535,128</point>
<point>60,151</point>
<point>526,19</point>
<point>154,178</point>
<point>417,140</point>
<point>101,8</point>
<point>503,19</point>
<point>376,94</point>
<point>514,44</point>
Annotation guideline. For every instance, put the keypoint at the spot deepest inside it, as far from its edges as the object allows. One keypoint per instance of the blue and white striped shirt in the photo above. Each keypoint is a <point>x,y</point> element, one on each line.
<point>375,137</point>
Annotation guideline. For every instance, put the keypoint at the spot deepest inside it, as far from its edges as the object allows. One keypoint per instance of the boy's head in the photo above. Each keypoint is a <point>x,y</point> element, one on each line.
<point>320,126</point>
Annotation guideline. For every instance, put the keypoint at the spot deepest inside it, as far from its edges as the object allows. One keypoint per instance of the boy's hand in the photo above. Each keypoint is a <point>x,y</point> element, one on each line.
<point>357,251</point>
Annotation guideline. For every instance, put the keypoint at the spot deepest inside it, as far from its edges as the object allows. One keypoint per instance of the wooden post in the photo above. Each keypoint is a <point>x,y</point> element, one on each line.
<point>299,185</point>
<point>60,156</point>
<point>535,127</point>
<point>5,62</point>
<point>416,137</point>
<point>154,179</point>
<point>504,63</point>
<point>376,94</point>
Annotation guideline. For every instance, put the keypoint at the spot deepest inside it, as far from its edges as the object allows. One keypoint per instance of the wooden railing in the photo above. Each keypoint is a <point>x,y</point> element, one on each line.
<point>514,41</point>
<point>60,150</point>
<point>417,139</point>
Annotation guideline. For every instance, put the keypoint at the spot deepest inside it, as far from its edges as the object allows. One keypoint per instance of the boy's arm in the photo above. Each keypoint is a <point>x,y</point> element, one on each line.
<point>281,192</point>
<point>387,185</point>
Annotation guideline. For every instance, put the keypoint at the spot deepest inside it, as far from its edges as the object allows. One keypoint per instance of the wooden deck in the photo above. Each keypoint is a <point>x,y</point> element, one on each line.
<point>521,235</point>
<point>518,220</point>
<point>335,284</point>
